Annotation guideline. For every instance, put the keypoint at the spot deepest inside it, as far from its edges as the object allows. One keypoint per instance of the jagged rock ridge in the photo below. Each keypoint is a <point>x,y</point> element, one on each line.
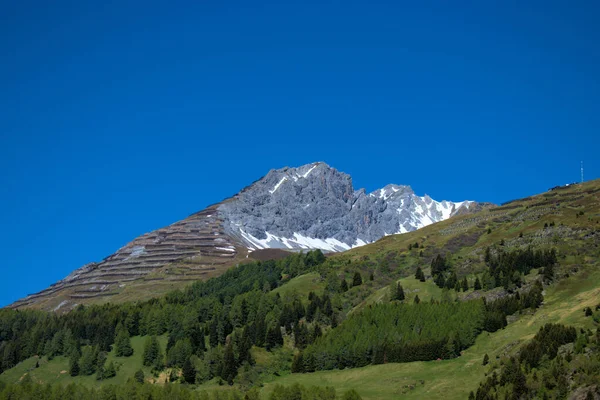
<point>316,206</point>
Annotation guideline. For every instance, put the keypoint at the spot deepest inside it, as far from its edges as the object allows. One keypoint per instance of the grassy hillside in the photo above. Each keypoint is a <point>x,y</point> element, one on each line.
<point>566,220</point>
<point>455,378</point>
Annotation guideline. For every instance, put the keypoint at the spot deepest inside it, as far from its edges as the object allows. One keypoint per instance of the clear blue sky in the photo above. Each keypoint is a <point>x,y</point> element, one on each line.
<point>117,119</point>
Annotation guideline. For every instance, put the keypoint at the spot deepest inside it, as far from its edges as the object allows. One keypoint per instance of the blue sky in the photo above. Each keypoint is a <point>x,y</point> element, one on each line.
<point>117,119</point>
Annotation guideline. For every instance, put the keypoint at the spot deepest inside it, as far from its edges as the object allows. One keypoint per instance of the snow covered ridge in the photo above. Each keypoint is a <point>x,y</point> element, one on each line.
<point>316,207</point>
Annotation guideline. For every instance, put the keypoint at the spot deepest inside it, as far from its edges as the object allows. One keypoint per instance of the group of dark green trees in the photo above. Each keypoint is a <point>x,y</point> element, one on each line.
<point>506,267</point>
<point>399,332</point>
<point>539,371</point>
<point>232,313</point>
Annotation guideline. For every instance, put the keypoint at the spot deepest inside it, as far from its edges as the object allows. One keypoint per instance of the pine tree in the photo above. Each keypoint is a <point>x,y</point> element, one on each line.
<point>298,363</point>
<point>398,293</point>
<point>87,363</point>
<point>123,344</point>
<point>316,333</point>
<point>74,364</point>
<point>229,366</point>
<point>213,335</point>
<point>343,286</point>
<point>300,335</point>
<point>452,281</point>
<point>486,359</point>
<point>465,285</point>
<point>139,376</point>
<point>357,279</point>
<point>188,372</point>
<point>417,300</point>
<point>152,353</point>
<point>477,285</point>
<point>109,371</point>
<point>548,273</point>
<point>274,338</point>
<point>371,276</point>
<point>173,376</point>
<point>420,275</point>
<point>439,280</point>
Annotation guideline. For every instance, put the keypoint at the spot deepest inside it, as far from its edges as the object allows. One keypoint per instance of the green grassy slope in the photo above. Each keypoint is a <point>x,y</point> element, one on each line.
<point>56,370</point>
<point>454,379</point>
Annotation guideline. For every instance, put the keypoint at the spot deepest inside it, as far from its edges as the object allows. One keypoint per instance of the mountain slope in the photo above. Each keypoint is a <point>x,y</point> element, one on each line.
<point>310,207</point>
<point>565,220</point>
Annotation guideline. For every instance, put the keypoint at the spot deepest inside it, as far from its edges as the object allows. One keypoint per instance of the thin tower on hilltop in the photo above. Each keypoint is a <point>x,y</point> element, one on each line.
<point>582,172</point>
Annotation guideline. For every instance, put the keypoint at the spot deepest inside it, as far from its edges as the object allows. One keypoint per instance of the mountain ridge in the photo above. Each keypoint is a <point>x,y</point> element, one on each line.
<point>321,203</point>
<point>266,214</point>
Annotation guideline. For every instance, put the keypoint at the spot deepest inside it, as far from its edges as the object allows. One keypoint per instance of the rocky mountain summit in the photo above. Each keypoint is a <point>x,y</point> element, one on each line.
<point>310,207</point>
<point>316,206</point>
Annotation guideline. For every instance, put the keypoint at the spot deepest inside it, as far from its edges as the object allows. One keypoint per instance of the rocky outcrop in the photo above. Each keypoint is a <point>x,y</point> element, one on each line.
<point>316,206</point>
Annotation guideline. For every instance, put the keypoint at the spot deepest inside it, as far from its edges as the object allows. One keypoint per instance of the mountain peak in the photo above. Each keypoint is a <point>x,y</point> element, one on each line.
<point>316,206</point>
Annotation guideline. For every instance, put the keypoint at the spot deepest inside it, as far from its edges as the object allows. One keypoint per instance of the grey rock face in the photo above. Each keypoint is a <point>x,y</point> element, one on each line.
<point>316,206</point>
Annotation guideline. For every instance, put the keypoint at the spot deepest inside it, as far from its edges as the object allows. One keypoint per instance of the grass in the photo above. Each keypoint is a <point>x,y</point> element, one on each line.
<point>454,379</point>
<point>302,285</point>
<point>56,370</point>
<point>425,290</point>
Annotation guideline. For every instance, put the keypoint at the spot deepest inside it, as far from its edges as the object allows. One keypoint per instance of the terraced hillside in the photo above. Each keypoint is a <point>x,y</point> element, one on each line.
<point>189,250</point>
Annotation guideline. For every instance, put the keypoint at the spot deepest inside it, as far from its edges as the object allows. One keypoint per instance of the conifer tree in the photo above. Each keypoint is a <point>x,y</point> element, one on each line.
<point>229,366</point>
<point>357,279</point>
<point>465,284</point>
<point>298,363</point>
<point>417,300</point>
<point>439,280</point>
<point>139,376</point>
<point>398,292</point>
<point>343,286</point>
<point>477,285</point>
<point>316,333</point>
<point>152,353</point>
<point>123,344</point>
<point>109,371</point>
<point>188,372</point>
<point>486,359</point>
<point>74,364</point>
<point>420,275</point>
<point>87,363</point>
